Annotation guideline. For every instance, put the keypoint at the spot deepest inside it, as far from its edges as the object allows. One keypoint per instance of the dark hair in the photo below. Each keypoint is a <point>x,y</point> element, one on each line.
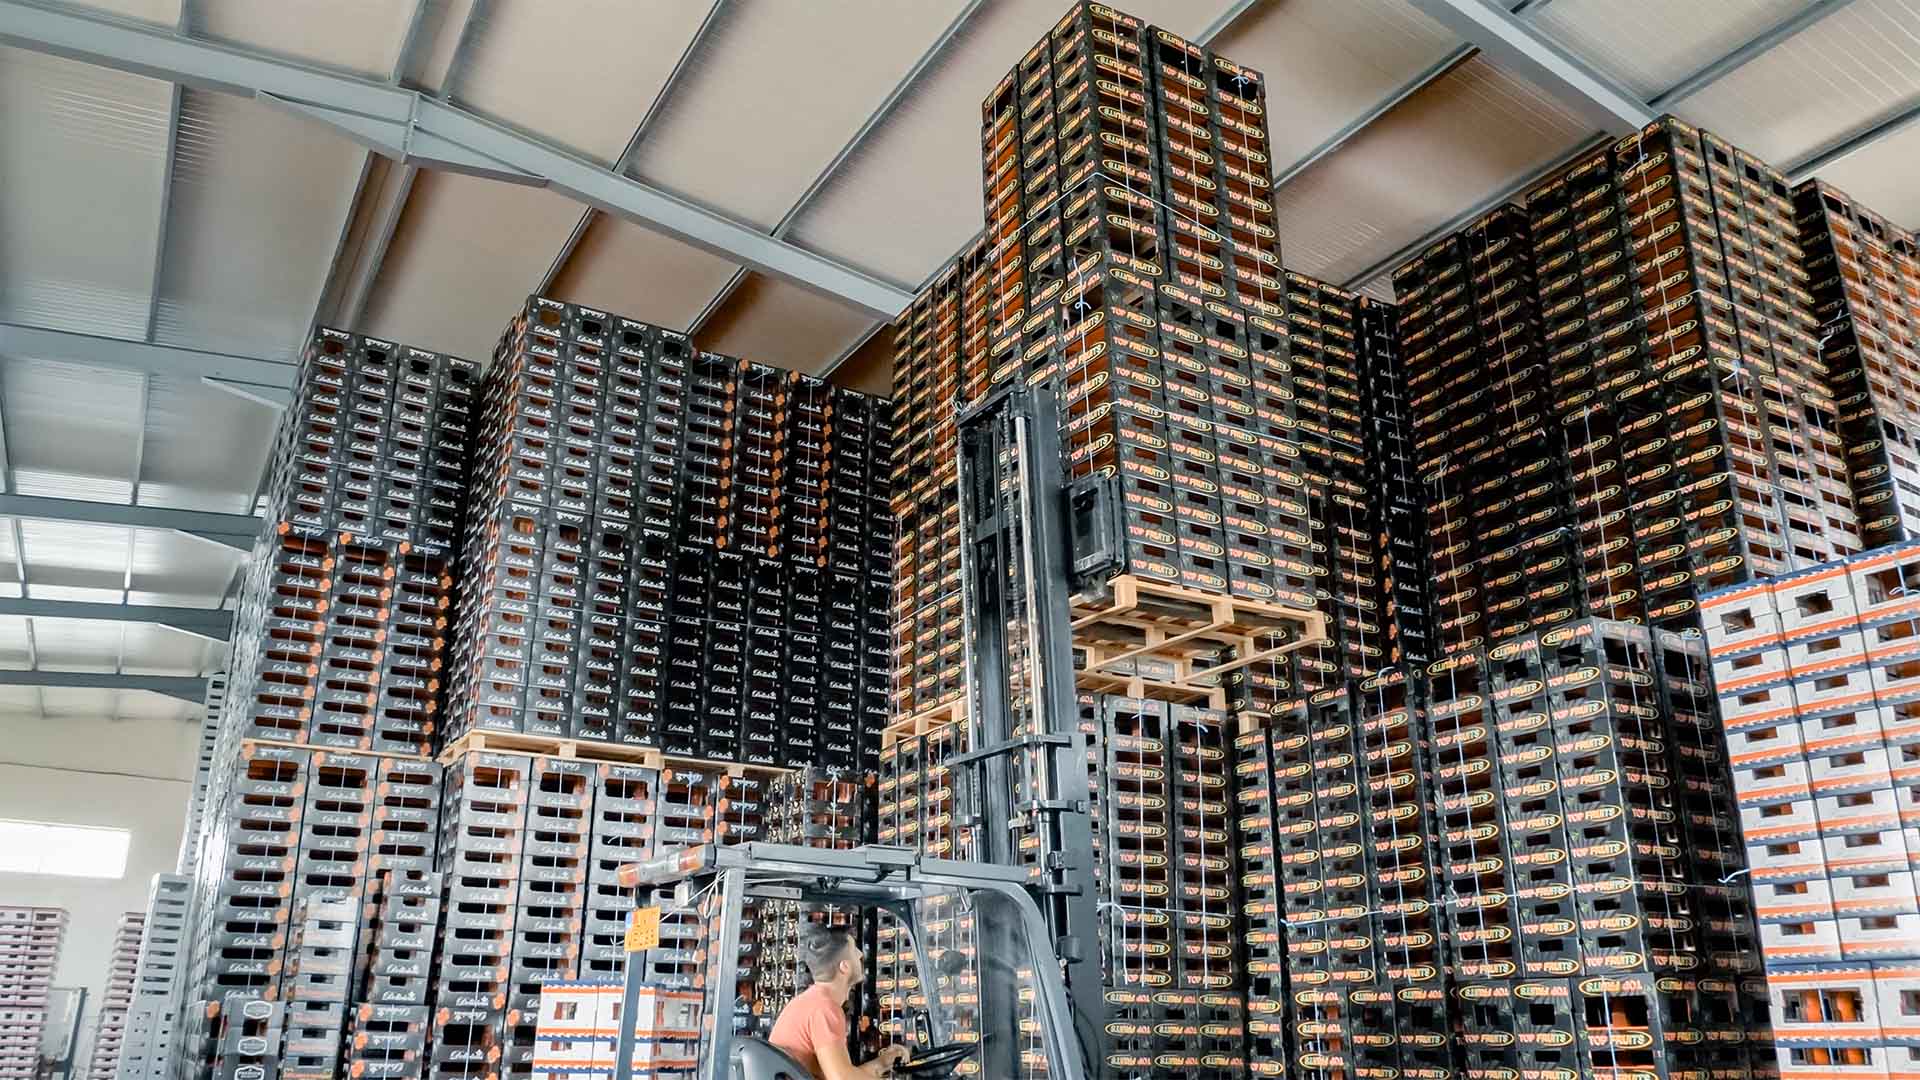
<point>821,949</point>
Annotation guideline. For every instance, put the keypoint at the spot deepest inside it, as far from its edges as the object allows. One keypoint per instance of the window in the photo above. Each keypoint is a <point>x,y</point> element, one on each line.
<point>41,847</point>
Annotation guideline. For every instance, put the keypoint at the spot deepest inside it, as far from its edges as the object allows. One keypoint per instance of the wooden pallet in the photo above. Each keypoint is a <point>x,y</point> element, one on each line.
<point>925,721</point>
<point>1139,618</point>
<point>648,757</point>
<point>1096,673</point>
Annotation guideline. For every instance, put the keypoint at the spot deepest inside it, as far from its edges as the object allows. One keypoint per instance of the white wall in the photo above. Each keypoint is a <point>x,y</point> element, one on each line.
<point>127,774</point>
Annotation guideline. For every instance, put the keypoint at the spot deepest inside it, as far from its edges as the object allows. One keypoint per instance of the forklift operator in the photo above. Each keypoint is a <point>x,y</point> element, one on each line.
<point>813,1026</point>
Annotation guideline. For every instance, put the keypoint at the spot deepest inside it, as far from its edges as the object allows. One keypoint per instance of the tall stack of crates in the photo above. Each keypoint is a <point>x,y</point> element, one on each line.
<point>1401,1024</point>
<point>945,324</point>
<point>1167,876</point>
<point>671,548</point>
<point>1127,193</point>
<point>154,1015</point>
<point>482,833</point>
<point>1398,496</point>
<point>1503,562</point>
<point>1323,351</point>
<point>1865,279</point>
<point>343,606</point>
<point>1588,932</point>
<point>30,939</point>
<point>110,1030</point>
<point>1687,375</point>
<point>1818,673</point>
<point>914,807</point>
<point>319,981</point>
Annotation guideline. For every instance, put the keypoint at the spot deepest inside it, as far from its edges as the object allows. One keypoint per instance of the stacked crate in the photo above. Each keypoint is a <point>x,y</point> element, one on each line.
<point>1817,672</point>
<point>1325,387</point>
<point>1865,279</point>
<point>943,327</point>
<point>811,808</point>
<point>671,548</point>
<point>1166,873</point>
<point>152,1018</point>
<point>1126,187</point>
<point>1582,869</point>
<point>318,984</point>
<point>1698,413</point>
<point>914,800</point>
<point>343,605</point>
<point>245,1039</point>
<point>110,1029</point>
<point>30,939</point>
<point>1398,498</point>
<point>1497,501</point>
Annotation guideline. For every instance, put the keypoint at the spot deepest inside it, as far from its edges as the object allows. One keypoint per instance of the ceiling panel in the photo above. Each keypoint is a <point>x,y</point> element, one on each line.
<point>757,114</point>
<point>13,646</point>
<point>363,36</point>
<point>772,322</point>
<point>72,431</point>
<point>146,649</point>
<point>83,155</point>
<point>589,95</point>
<point>922,165</point>
<point>1851,68</point>
<point>76,644</point>
<point>259,197</point>
<point>66,555</point>
<point>1329,62</point>
<point>165,12</point>
<point>1462,137</point>
<point>1882,176</point>
<point>623,268</point>
<point>464,258</point>
<point>171,568</point>
<point>1612,34</point>
<point>181,467</point>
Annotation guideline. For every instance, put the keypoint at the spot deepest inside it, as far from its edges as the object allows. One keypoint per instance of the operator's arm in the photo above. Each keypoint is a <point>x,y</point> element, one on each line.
<point>836,1065</point>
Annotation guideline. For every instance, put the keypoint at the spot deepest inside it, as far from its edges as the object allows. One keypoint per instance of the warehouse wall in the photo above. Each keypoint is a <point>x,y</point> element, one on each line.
<point>128,774</point>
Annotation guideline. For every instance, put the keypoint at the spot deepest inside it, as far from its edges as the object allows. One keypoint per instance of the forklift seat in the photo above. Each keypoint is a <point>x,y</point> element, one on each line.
<point>757,1059</point>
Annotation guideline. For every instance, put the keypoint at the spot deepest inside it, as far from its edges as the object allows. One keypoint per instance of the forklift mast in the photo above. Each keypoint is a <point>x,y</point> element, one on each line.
<point>1029,539</point>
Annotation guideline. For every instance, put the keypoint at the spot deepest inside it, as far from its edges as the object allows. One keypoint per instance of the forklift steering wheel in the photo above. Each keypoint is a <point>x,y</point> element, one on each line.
<point>936,1062</point>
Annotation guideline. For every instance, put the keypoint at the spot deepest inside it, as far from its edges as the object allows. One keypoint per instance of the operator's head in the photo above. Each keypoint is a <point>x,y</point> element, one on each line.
<point>831,956</point>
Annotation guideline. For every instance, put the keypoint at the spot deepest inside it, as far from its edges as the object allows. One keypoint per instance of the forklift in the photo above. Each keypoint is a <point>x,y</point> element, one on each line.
<point>1031,539</point>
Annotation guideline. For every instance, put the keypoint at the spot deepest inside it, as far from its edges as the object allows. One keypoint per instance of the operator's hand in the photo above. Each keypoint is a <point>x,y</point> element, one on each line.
<point>890,1056</point>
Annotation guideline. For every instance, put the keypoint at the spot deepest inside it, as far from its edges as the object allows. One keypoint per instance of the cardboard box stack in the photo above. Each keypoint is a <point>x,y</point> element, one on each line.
<point>1818,675</point>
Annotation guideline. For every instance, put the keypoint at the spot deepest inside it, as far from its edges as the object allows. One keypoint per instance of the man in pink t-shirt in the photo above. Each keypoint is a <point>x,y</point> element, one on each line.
<point>813,1026</point>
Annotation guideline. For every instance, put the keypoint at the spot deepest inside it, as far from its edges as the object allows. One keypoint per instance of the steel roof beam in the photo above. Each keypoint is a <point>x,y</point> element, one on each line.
<point>874,119</point>
<point>190,689</point>
<point>40,343</point>
<point>1497,31</point>
<point>215,623</point>
<point>1851,143</point>
<point>415,129</point>
<point>232,530</point>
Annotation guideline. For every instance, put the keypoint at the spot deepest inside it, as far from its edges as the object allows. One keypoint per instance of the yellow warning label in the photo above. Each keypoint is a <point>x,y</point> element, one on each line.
<point>643,930</point>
